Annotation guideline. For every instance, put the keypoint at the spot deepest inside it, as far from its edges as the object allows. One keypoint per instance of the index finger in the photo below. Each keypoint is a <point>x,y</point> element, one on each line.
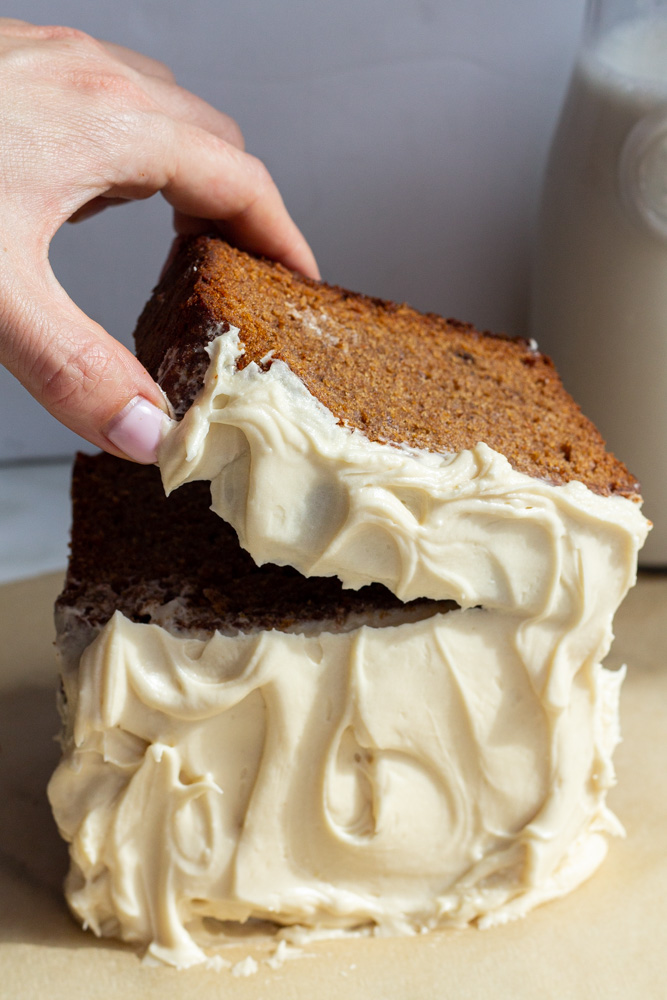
<point>213,179</point>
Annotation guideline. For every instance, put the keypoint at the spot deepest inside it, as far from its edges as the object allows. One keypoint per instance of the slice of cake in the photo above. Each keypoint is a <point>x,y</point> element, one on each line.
<point>385,706</point>
<point>351,437</point>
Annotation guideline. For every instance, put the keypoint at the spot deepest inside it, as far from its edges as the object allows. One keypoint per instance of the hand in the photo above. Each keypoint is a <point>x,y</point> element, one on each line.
<point>87,124</point>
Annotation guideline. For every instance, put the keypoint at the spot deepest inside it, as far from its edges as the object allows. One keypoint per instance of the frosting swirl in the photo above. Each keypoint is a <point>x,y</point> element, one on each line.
<point>408,776</point>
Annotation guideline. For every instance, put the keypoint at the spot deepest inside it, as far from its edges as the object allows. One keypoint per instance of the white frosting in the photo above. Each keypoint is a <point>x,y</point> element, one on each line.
<point>304,491</point>
<point>447,770</point>
<point>410,776</point>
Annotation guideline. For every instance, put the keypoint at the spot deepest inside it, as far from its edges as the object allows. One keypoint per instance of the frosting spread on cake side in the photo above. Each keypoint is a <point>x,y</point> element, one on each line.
<point>410,777</point>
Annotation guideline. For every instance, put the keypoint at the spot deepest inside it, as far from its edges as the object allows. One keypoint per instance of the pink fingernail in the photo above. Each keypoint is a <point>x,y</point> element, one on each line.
<point>137,430</point>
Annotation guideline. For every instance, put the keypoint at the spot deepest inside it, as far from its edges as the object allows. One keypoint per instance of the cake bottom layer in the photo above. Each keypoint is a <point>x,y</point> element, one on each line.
<point>403,777</point>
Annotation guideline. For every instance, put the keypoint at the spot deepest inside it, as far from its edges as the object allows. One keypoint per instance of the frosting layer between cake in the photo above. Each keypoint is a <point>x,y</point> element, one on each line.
<point>410,776</point>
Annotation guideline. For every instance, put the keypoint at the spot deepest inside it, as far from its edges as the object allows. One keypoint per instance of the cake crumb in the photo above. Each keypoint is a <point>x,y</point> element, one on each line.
<point>246,967</point>
<point>284,952</point>
<point>217,963</point>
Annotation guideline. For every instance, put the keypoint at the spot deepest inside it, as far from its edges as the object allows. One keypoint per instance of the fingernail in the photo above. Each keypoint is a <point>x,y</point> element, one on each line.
<point>138,429</point>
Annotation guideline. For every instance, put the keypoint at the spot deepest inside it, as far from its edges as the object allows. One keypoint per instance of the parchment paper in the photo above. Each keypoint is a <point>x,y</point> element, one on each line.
<point>607,940</point>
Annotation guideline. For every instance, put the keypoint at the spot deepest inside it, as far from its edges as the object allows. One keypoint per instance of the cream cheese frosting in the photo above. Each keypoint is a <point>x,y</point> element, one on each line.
<point>302,490</point>
<point>446,770</point>
<point>411,776</point>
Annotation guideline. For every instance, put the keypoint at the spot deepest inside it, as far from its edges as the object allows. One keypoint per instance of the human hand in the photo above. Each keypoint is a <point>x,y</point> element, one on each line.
<point>87,124</point>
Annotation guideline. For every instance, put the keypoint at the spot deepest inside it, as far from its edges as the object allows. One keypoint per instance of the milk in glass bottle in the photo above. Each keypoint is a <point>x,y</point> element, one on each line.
<point>600,286</point>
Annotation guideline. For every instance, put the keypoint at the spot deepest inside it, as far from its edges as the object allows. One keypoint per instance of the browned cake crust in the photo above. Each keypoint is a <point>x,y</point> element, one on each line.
<point>397,375</point>
<point>135,550</point>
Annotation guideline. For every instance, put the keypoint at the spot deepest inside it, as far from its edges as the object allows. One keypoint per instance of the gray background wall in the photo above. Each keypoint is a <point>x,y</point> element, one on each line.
<point>408,138</point>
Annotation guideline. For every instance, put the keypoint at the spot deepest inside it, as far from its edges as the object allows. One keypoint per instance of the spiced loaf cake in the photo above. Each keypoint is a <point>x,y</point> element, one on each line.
<point>370,694</point>
<point>394,374</point>
<point>351,437</point>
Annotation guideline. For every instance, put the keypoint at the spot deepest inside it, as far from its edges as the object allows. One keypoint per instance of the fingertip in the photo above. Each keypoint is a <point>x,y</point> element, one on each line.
<point>311,269</point>
<point>300,258</point>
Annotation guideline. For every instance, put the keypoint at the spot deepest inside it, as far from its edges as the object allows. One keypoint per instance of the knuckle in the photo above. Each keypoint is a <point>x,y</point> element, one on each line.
<point>259,174</point>
<point>79,67</point>
<point>72,40</point>
<point>70,380</point>
<point>62,33</point>
<point>109,83</point>
<point>13,27</point>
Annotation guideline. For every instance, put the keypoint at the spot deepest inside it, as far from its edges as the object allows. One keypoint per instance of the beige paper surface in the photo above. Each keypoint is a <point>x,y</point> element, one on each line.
<point>607,940</point>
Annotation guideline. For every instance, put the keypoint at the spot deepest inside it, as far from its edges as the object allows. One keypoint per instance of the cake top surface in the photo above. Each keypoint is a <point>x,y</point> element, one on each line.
<point>137,551</point>
<point>398,376</point>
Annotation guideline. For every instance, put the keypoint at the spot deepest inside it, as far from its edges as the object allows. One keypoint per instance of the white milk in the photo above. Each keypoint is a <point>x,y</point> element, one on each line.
<point>600,291</point>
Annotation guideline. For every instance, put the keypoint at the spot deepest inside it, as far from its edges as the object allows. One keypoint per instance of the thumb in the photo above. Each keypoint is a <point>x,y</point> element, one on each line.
<point>78,372</point>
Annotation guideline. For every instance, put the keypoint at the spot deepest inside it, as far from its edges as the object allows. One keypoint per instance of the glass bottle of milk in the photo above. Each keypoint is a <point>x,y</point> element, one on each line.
<point>600,285</point>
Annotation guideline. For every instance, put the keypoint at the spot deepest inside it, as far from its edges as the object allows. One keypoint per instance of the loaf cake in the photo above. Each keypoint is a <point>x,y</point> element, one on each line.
<point>365,689</point>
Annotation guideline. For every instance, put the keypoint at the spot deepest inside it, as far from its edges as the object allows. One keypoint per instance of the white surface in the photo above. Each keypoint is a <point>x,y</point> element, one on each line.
<point>34,518</point>
<point>407,136</point>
